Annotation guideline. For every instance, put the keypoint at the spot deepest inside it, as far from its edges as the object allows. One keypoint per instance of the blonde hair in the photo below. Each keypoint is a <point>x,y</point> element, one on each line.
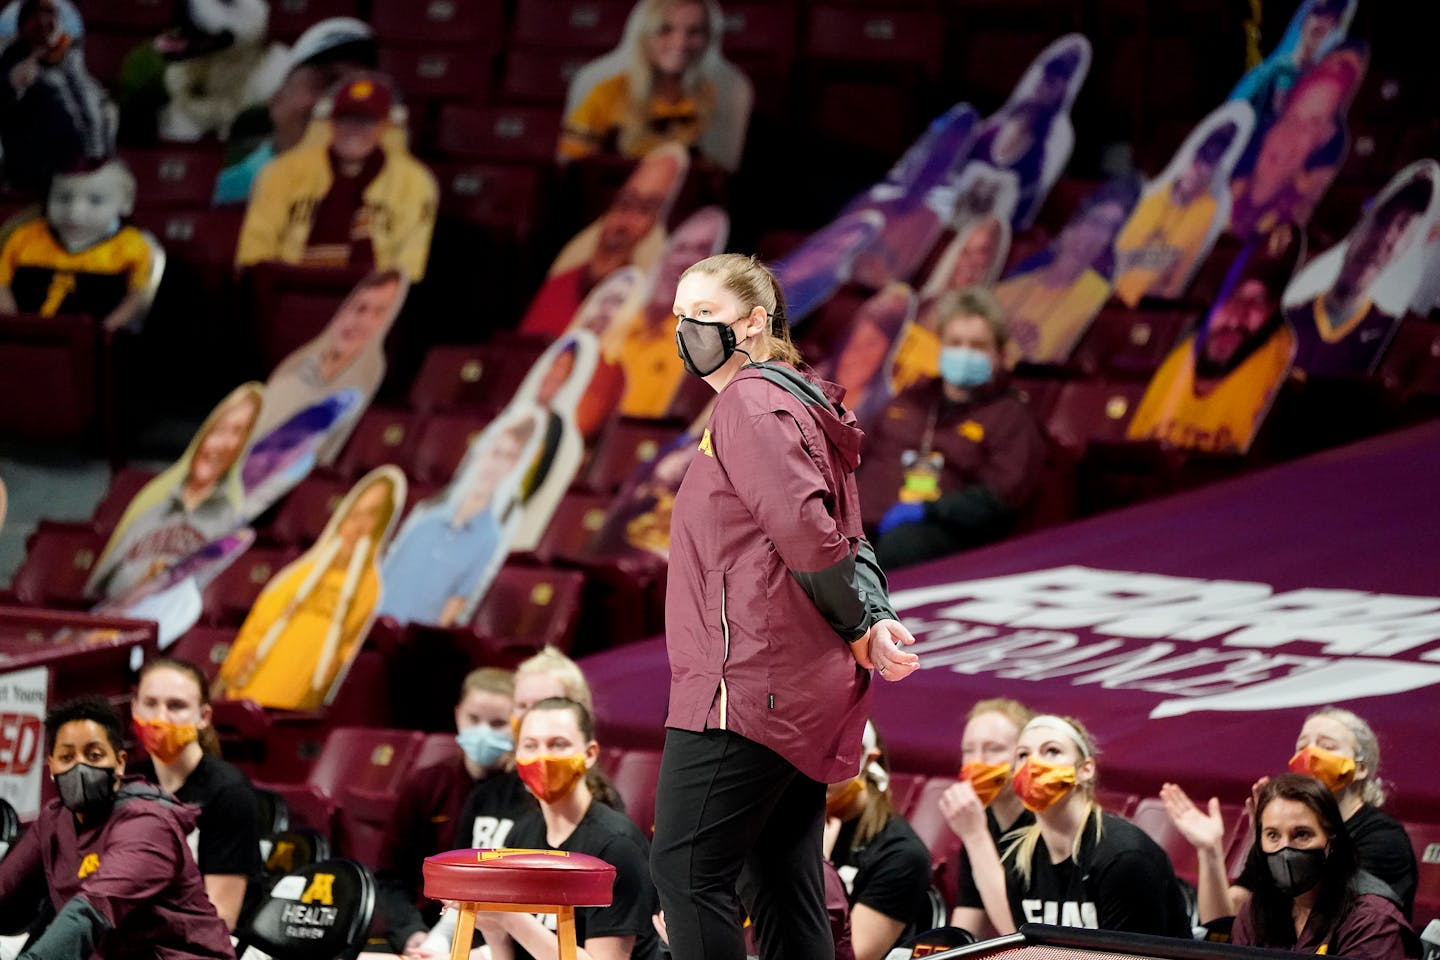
<point>1012,710</point>
<point>1367,750</point>
<point>1023,842</point>
<point>649,16</point>
<point>754,285</point>
<point>488,680</point>
<point>973,302</point>
<point>551,662</point>
<point>878,808</point>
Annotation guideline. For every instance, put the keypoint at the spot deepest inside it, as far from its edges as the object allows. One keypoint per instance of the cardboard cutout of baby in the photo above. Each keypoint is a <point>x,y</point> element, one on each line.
<point>648,358</point>
<point>197,500</point>
<point>306,627</point>
<point>1317,27</point>
<point>1296,159</point>
<point>450,546</point>
<point>81,257</point>
<point>1346,304</point>
<point>862,363</point>
<point>631,231</point>
<point>813,271</point>
<point>349,354</point>
<point>1177,220</point>
<point>1051,297</point>
<point>552,389</point>
<point>711,115</point>
<point>1031,135</point>
<point>1214,389</point>
<point>915,198</point>
<point>972,259</point>
<point>604,315</point>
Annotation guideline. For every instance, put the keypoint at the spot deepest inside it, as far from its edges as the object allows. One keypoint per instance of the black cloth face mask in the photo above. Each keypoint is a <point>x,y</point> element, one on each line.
<point>705,345</point>
<point>1296,871</point>
<point>86,789</point>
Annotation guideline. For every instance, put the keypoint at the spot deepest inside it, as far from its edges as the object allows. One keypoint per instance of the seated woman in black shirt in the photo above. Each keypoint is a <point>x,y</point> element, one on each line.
<point>884,864</point>
<point>1340,750</point>
<point>171,718</point>
<point>1077,865</point>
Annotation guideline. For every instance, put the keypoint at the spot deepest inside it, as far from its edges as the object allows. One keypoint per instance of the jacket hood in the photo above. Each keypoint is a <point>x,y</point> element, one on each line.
<point>823,401</point>
<point>137,788</point>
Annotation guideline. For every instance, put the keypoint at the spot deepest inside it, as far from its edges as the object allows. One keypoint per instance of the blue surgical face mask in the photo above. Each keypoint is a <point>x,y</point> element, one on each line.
<point>485,745</point>
<point>964,367</point>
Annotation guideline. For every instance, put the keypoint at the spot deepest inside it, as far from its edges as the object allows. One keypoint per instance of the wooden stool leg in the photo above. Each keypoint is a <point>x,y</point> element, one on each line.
<point>465,930</point>
<point>564,932</point>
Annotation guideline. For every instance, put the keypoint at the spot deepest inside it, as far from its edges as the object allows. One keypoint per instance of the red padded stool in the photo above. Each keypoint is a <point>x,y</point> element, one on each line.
<point>518,881</point>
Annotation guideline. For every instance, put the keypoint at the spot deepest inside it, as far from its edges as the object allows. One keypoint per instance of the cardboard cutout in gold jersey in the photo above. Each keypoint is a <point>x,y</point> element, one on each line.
<point>305,629</point>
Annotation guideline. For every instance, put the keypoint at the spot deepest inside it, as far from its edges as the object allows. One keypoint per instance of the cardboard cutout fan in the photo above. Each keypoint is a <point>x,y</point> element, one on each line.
<point>647,356</point>
<point>631,231</point>
<point>813,271</point>
<point>280,459</point>
<point>862,363</point>
<point>1317,27</point>
<point>614,107</point>
<point>552,389</point>
<point>349,354</point>
<point>1346,303</point>
<point>1031,135</point>
<point>196,500</point>
<point>972,259</point>
<point>1214,389</point>
<point>1297,157</point>
<point>1183,211</point>
<point>604,315</point>
<point>450,546</point>
<point>1051,297</point>
<point>307,625</point>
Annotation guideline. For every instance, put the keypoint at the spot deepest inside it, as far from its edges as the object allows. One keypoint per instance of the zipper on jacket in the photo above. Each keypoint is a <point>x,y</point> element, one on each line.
<point>725,632</point>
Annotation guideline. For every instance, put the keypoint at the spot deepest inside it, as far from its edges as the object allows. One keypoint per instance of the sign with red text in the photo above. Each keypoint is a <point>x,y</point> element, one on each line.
<point>23,696</point>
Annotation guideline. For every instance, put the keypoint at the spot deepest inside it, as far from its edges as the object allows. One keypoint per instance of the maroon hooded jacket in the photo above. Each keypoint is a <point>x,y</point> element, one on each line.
<point>124,887</point>
<point>771,577</point>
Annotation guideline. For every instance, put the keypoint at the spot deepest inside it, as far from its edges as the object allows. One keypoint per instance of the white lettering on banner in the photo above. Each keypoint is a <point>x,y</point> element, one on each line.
<point>490,832</point>
<point>23,696</point>
<point>1082,623</point>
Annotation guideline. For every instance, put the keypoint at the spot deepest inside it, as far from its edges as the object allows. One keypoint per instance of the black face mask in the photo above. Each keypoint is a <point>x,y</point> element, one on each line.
<point>705,345</point>
<point>86,789</point>
<point>1296,871</point>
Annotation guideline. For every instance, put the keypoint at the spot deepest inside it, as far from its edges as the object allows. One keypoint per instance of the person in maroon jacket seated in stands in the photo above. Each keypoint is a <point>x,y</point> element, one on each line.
<point>1312,896</point>
<point>952,461</point>
<point>112,855</point>
<point>431,800</point>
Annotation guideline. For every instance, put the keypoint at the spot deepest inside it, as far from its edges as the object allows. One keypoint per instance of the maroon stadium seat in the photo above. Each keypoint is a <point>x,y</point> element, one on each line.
<point>1150,816</point>
<point>576,520</point>
<point>626,444</point>
<point>229,597</point>
<point>759,30</point>
<point>636,774</point>
<point>51,381</point>
<point>481,377</point>
<point>125,483</point>
<point>436,748</point>
<point>593,25</point>
<point>290,18</point>
<point>1088,410</point>
<point>1425,837</point>
<point>476,22</point>
<point>352,757</point>
<point>150,16</point>
<point>876,34</point>
<point>178,175</point>
<point>105,52</point>
<point>936,834</point>
<point>903,789</point>
<point>527,608</point>
<point>498,133</point>
<point>381,436</point>
<point>540,75</point>
<point>293,304</point>
<point>441,443</point>
<point>59,558</point>
<point>438,72</point>
<point>1126,342</point>
<point>1411,364</point>
<point>204,646</point>
<point>502,198</point>
<point>305,511</point>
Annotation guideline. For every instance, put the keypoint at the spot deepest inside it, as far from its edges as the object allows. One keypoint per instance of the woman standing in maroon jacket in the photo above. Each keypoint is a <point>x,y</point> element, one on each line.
<point>775,614</point>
